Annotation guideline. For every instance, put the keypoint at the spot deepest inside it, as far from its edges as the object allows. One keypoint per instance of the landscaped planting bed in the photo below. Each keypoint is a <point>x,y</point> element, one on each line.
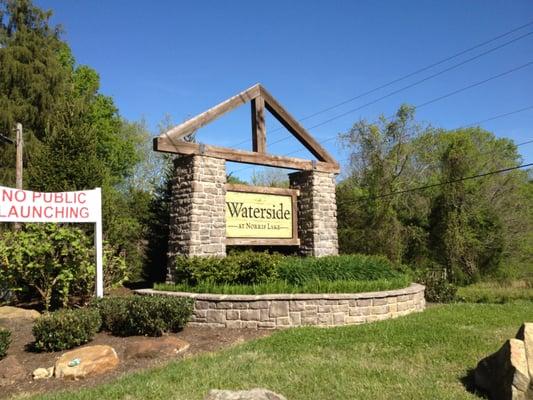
<point>267,291</point>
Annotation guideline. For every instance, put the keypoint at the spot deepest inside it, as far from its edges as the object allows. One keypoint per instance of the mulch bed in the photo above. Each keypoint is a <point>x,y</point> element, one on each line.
<point>200,339</point>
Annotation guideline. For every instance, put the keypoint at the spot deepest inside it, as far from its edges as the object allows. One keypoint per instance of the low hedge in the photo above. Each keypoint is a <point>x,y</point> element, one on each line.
<point>252,268</point>
<point>65,329</point>
<point>142,315</point>
<point>245,267</point>
<point>5,341</point>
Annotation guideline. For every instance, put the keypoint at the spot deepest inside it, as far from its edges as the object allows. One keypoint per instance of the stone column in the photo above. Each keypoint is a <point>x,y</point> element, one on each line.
<point>317,212</point>
<point>197,210</point>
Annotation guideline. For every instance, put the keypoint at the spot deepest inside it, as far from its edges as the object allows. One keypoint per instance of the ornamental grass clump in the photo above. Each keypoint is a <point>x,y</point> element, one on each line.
<point>65,329</point>
<point>249,272</point>
<point>350,267</point>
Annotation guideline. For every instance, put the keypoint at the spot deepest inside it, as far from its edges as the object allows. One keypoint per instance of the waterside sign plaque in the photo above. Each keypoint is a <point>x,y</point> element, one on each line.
<point>260,216</point>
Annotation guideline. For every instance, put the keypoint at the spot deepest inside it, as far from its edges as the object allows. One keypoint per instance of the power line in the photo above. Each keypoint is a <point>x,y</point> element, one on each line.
<point>451,181</point>
<point>419,71</point>
<point>463,126</point>
<point>406,87</point>
<point>499,116</point>
<point>523,143</point>
<point>418,105</point>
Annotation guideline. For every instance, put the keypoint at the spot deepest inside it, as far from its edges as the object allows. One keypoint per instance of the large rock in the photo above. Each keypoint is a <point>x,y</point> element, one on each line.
<point>504,374</point>
<point>11,371</point>
<point>254,394</point>
<point>525,333</point>
<point>43,373</point>
<point>155,347</point>
<point>86,361</point>
<point>7,312</point>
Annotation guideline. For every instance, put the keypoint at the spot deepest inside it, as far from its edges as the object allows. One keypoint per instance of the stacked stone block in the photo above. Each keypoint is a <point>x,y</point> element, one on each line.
<point>292,310</point>
<point>197,215</point>
<point>317,212</point>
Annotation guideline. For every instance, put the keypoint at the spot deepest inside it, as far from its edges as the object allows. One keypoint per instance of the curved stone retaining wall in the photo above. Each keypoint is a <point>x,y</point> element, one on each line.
<point>273,311</point>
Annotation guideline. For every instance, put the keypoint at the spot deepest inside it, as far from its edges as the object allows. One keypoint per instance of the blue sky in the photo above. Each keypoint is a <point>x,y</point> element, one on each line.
<point>179,58</point>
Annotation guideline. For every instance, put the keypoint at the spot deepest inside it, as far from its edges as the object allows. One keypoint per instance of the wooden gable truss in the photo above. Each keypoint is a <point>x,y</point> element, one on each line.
<point>172,141</point>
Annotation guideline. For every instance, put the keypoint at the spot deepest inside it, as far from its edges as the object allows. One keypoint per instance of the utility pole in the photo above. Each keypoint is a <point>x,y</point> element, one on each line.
<point>19,142</point>
<point>20,163</point>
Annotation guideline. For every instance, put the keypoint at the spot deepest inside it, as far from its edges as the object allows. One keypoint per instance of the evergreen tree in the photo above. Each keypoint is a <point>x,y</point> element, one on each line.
<point>32,76</point>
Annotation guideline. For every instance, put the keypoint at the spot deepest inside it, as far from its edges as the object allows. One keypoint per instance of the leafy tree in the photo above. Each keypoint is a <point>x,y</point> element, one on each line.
<point>368,218</point>
<point>469,228</point>
<point>234,179</point>
<point>75,137</point>
<point>271,177</point>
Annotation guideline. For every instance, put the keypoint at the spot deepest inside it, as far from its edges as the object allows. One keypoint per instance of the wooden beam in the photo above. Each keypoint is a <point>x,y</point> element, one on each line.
<point>261,242</point>
<point>290,123</point>
<point>169,145</point>
<point>258,125</point>
<point>213,113</point>
<point>235,187</point>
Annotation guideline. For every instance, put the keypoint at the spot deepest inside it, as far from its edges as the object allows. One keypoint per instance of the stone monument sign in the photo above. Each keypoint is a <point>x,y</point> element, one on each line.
<point>208,214</point>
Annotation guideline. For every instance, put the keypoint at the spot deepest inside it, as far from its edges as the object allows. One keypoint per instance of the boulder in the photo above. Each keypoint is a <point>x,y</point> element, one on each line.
<point>254,394</point>
<point>11,370</point>
<point>86,361</point>
<point>525,333</point>
<point>43,373</point>
<point>147,347</point>
<point>7,312</point>
<point>504,375</point>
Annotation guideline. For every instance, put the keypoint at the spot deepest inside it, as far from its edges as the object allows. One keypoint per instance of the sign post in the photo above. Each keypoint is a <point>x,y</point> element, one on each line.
<point>99,249</point>
<point>17,205</point>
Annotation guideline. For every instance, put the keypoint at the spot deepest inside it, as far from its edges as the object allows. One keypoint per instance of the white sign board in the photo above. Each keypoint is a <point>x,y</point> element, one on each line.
<point>18,205</point>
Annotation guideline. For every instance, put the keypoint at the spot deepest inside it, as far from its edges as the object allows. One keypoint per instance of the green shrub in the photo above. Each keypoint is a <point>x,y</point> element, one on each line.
<point>140,315</point>
<point>48,259</point>
<point>438,289</point>
<point>115,268</point>
<point>55,262</point>
<point>245,267</point>
<point>64,329</point>
<point>5,341</point>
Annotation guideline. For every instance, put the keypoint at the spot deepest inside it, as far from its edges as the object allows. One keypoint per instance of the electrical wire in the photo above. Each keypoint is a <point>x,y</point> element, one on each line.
<point>389,83</point>
<point>451,181</point>
<point>418,106</point>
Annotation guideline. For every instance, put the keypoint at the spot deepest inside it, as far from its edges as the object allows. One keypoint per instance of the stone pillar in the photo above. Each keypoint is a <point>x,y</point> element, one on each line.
<point>197,210</point>
<point>317,212</point>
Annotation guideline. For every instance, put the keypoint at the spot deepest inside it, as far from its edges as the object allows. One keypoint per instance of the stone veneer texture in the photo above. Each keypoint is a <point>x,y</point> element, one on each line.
<point>317,212</point>
<point>276,311</point>
<point>197,215</point>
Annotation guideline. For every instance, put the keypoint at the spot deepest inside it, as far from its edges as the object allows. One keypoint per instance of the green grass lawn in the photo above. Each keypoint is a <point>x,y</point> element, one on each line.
<point>421,356</point>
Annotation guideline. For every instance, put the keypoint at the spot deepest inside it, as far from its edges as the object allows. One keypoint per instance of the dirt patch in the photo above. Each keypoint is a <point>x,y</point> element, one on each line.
<point>201,340</point>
